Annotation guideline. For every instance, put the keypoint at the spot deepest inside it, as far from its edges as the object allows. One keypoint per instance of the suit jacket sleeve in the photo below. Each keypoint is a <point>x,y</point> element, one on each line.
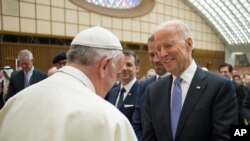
<point>11,89</point>
<point>149,133</point>
<point>246,107</point>
<point>136,122</point>
<point>241,92</point>
<point>224,111</point>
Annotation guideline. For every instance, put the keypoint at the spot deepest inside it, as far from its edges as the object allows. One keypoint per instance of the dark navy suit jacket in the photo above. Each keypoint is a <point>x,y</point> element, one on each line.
<point>210,107</point>
<point>17,81</point>
<point>128,104</point>
<point>246,106</point>
<point>138,115</point>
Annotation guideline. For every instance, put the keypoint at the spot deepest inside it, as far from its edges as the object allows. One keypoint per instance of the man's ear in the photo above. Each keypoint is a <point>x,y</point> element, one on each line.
<point>189,43</point>
<point>103,65</point>
<point>137,69</point>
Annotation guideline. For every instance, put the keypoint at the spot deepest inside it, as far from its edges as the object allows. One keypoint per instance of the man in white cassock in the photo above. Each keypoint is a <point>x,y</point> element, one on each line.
<point>69,105</point>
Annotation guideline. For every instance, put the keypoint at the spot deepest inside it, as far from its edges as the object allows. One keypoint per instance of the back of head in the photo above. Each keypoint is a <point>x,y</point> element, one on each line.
<point>98,53</point>
<point>92,44</point>
<point>59,57</point>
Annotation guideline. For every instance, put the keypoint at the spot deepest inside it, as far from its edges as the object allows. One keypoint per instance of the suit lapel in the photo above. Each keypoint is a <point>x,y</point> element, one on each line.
<point>33,77</point>
<point>113,93</point>
<point>165,89</point>
<point>195,91</point>
<point>22,78</point>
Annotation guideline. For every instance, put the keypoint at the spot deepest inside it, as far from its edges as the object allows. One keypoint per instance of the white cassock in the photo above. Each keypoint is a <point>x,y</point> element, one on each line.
<point>63,107</point>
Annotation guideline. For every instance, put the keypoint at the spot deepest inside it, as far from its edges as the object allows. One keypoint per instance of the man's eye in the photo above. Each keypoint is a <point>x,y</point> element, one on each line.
<point>167,46</point>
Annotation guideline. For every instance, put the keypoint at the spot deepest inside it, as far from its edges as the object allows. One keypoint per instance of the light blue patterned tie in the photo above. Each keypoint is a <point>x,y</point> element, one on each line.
<point>176,105</point>
<point>26,80</point>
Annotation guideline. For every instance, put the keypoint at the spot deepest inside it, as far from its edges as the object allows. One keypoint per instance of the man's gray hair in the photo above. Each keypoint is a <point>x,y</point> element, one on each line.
<point>25,53</point>
<point>151,38</point>
<point>89,56</point>
<point>182,28</point>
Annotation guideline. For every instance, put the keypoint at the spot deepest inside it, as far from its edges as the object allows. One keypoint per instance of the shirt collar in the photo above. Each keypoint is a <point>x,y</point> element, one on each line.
<point>30,72</point>
<point>188,74</point>
<point>76,73</point>
<point>128,86</point>
<point>164,75</point>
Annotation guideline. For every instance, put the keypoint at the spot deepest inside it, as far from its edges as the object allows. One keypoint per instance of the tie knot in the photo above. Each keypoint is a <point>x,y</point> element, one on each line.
<point>159,78</point>
<point>123,90</point>
<point>178,80</point>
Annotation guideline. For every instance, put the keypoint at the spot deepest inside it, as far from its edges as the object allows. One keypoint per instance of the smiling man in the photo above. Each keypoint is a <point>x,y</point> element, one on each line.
<point>191,104</point>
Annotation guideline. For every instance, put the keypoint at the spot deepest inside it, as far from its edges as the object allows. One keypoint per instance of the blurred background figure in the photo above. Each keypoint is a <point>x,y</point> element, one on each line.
<point>52,70</point>
<point>237,79</point>
<point>25,77</point>
<point>246,102</point>
<point>226,70</point>
<point>150,73</point>
<point>1,90</point>
<point>6,72</point>
<point>59,60</point>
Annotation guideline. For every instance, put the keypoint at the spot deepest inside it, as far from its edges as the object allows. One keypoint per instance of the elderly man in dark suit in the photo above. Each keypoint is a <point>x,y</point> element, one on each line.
<point>25,77</point>
<point>123,96</point>
<point>160,73</point>
<point>191,104</point>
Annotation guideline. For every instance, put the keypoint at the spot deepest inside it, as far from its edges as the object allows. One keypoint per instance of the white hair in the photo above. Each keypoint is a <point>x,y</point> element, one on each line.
<point>88,56</point>
<point>25,53</point>
<point>181,27</point>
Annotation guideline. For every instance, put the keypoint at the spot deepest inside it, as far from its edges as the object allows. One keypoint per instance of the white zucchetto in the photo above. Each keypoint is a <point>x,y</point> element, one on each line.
<point>97,37</point>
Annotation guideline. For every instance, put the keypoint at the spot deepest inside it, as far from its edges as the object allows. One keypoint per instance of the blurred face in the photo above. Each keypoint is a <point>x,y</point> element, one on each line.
<point>154,59</point>
<point>150,73</point>
<point>247,80</point>
<point>174,52</point>
<point>60,64</point>
<point>237,80</point>
<point>1,74</point>
<point>224,71</point>
<point>26,63</point>
<point>6,75</point>
<point>129,70</point>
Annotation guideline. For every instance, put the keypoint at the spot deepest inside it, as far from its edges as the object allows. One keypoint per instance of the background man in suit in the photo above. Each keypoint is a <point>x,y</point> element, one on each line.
<point>125,101</point>
<point>69,105</point>
<point>191,104</point>
<point>160,72</point>
<point>226,70</point>
<point>25,77</point>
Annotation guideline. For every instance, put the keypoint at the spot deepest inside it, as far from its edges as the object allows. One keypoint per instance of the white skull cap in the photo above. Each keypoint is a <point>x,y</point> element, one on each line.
<point>97,37</point>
